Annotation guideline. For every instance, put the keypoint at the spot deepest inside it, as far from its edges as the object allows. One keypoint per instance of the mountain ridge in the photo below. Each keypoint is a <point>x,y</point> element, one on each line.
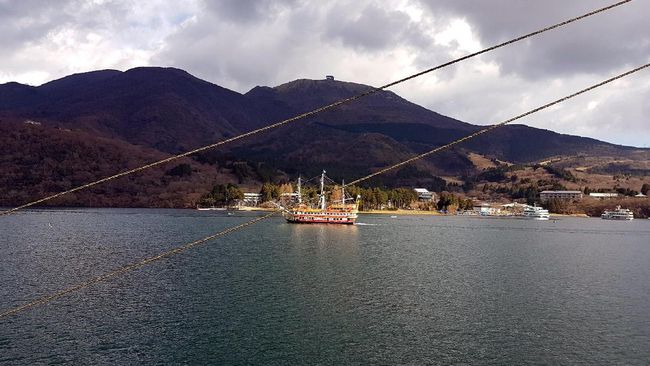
<point>170,111</point>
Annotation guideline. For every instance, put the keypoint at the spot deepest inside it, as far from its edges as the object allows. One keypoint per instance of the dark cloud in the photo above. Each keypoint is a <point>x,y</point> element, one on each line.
<point>373,28</point>
<point>609,40</point>
<point>27,21</point>
<point>247,11</point>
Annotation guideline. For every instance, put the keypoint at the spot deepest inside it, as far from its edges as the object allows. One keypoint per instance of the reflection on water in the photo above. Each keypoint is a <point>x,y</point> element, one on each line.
<point>341,236</point>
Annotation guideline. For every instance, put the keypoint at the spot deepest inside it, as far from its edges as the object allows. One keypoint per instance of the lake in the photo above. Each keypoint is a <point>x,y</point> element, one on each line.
<point>410,290</point>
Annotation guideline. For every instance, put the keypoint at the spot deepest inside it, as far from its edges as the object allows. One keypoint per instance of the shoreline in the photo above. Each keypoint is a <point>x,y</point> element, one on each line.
<point>403,212</point>
<point>370,212</point>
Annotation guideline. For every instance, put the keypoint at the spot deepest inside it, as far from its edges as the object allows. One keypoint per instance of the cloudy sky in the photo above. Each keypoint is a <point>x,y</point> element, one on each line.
<point>239,44</point>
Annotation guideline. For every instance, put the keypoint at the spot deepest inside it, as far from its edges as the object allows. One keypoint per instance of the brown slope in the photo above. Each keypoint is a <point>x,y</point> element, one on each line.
<point>37,161</point>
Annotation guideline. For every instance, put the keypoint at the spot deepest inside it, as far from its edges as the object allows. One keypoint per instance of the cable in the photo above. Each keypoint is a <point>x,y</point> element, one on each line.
<point>313,112</point>
<point>495,126</point>
<point>182,248</point>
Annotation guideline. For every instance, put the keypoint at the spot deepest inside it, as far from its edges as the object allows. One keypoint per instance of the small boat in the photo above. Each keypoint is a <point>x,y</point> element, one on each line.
<point>340,213</point>
<point>618,214</point>
<point>536,213</point>
<point>211,208</point>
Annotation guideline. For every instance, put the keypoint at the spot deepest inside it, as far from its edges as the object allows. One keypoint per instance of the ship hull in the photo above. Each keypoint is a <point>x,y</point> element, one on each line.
<point>302,221</point>
<point>337,219</point>
<point>617,218</point>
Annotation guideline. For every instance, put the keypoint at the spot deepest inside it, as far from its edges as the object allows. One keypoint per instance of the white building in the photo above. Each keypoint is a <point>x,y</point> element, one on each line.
<point>251,199</point>
<point>488,209</point>
<point>603,195</point>
<point>424,194</point>
<point>289,197</point>
<point>560,195</point>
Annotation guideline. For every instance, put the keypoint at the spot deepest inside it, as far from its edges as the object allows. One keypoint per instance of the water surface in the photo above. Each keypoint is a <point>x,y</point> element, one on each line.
<point>407,290</point>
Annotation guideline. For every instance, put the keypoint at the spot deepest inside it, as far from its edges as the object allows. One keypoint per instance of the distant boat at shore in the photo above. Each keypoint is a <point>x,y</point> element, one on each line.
<point>536,213</point>
<point>618,214</point>
<point>211,208</point>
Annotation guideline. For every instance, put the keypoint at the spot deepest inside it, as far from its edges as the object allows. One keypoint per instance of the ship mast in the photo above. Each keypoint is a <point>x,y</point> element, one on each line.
<point>343,193</point>
<point>299,194</point>
<point>322,191</point>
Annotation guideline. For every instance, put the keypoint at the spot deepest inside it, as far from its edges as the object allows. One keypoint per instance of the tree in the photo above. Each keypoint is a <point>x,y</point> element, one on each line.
<point>555,205</point>
<point>380,196</point>
<point>336,194</point>
<point>218,194</point>
<point>531,194</point>
<point>233,193</point>
<point>496,174</point>
<point>468,185</point>
<point>645,188</point>
<point>222,195</point>
<point>438,185</point>
<point>450,202</point>
<point>242,170</point>
<point>180,170</point>
<point>269,192</point>
<point>286,188</point>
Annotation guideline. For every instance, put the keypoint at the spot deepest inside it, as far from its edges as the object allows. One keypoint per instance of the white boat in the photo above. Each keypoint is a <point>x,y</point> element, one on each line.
<point>618,214</point>
<point>536,213</point>
<point>211,208</point>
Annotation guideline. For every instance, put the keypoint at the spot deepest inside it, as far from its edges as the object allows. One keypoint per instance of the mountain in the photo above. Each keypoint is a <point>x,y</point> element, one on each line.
<point>384,128</point>
<point>384,107</point>
<point>161,111</point>
<point>388,114</point>
<point>164,108</point>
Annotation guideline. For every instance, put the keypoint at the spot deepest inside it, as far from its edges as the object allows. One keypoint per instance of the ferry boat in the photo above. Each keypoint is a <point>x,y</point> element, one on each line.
<point>340,213</point>
<point>536,213</point>
<point>618,214</point>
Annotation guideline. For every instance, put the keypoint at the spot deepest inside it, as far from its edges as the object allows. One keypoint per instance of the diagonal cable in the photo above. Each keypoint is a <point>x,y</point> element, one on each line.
<point>313,112</point>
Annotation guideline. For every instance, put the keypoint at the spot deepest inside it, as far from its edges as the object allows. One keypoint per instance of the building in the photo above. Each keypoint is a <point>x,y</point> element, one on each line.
<point>251,199</point>
<point>603,195</point>
<point>424,195</point>
<point>289,197</point>
<point>560,195</point>
<point>514,208</point>
<point>488,209</point>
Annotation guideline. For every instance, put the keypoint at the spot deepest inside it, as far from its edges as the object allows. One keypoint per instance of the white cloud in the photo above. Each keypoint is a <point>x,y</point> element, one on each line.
<point>78,36</point>
<point>240,44</point>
